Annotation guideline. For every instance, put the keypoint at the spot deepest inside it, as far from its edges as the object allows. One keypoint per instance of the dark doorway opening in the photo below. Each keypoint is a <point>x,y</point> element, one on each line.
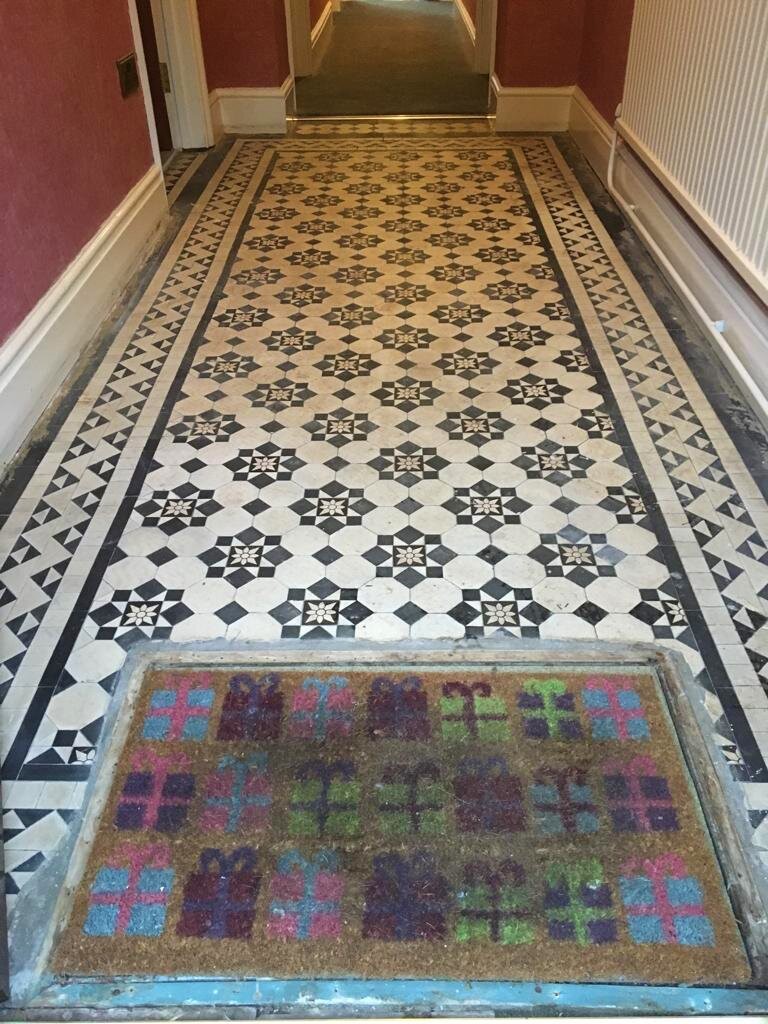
<point>156,73</point>
<point>395,57</point>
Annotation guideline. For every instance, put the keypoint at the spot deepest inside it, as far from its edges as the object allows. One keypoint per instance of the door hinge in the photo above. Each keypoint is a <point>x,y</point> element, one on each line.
<point>165,77</point>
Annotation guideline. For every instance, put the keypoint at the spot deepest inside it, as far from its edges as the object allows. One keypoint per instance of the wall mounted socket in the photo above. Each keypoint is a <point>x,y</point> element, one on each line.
<point>128,73</point>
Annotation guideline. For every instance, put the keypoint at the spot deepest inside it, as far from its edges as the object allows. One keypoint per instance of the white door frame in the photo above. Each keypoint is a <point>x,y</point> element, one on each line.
<point>485,36</point>
<point>187,70</point>
<point>180,43</point>
<point>161,37</point>
<point>299,23</point>
<point>138,47</point>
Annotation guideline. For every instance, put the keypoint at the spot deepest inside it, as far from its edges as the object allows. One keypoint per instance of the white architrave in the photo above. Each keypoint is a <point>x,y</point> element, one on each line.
<point>485,36</point>
<point>158,19</point>
<point>299,37</point>
<point>187,70</point>
<point>181,45</point>
<point>138,46</point>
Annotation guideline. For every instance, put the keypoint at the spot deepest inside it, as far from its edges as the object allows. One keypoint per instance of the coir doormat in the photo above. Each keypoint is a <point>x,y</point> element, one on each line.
<point>434,822</point>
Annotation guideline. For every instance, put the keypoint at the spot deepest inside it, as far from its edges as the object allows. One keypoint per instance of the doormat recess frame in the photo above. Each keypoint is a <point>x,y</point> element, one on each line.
<point>667,667</point>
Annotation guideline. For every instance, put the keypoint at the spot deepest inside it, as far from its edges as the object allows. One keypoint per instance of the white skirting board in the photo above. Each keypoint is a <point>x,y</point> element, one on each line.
<point>257,111</point>
<point>591,132</point>
<point>523,108</point>
<point>724,296</point>
<point>714,284</point>
<point>37,356</point>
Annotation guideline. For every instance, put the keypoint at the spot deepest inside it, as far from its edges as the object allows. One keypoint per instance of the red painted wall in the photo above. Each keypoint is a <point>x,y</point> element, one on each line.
<point>244,43</point>
<point>566,42</point>
<point>70,147</point>
<point>538,42</point>
<point>605,47</point>
<point>316,8</point>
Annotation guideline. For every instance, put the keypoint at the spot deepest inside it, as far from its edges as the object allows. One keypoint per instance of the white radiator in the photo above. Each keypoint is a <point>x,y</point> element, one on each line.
<point>696,109</point>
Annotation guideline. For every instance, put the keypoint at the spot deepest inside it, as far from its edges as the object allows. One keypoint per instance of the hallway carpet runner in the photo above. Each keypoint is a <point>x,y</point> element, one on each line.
<point>534,825</point>
<point>403,57</point>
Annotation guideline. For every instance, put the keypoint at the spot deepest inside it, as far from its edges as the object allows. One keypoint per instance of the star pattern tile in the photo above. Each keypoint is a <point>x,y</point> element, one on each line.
<point>395,422</point>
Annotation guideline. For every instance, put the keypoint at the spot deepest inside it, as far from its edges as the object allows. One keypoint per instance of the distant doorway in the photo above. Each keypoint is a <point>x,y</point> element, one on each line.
<point>166,36</point>
<point>395,57</point>
<point>157,74</point>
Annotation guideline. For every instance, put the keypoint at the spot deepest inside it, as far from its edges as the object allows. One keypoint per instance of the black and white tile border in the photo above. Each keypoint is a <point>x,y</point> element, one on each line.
<point>241,484</point>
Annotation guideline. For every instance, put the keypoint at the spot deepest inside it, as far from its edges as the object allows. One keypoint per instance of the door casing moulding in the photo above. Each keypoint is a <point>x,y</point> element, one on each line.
<point>299,24</point>
<point>161,34</point>
<point>141,60</point>
<point>187,69</point>
<point>481,33</point>
<point>485,38</point>
<point>193,125</point>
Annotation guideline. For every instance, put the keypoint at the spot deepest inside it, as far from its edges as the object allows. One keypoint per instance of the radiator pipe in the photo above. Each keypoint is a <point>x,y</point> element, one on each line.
<point>714,329</point>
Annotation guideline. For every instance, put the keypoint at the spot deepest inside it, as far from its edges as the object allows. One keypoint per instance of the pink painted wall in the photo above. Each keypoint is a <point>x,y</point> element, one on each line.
<point>244,42</point>
<point>70,147</point>
<point>605,47</point>
<point>538,42</point>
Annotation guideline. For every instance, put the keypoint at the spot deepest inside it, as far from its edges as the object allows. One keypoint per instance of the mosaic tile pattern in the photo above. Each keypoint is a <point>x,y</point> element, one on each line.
<point>428,400</point>
<point>178,170</point>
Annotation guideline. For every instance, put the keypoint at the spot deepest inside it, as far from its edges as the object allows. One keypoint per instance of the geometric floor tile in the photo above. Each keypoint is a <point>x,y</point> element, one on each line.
<point>393,421</point>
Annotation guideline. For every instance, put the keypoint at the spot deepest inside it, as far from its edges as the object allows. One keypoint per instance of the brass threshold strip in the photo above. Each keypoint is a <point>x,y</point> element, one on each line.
<point>391,117</point>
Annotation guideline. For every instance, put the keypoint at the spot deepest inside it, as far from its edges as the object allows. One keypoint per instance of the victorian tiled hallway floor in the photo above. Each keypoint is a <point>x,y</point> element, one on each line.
<point>389,381</point>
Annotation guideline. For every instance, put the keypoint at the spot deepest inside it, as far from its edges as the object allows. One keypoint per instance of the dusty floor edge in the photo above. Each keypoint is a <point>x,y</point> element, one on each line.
<point>271,999</point>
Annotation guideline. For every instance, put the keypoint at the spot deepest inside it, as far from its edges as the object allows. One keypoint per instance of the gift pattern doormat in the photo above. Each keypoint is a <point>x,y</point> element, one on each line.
<point>533,824</point>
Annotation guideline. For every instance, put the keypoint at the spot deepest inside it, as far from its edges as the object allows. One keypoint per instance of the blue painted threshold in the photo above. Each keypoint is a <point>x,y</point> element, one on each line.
<point>353,997</point>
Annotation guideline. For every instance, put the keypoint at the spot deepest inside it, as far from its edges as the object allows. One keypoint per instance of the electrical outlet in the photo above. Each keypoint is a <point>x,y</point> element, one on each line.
<point>128,73</point>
